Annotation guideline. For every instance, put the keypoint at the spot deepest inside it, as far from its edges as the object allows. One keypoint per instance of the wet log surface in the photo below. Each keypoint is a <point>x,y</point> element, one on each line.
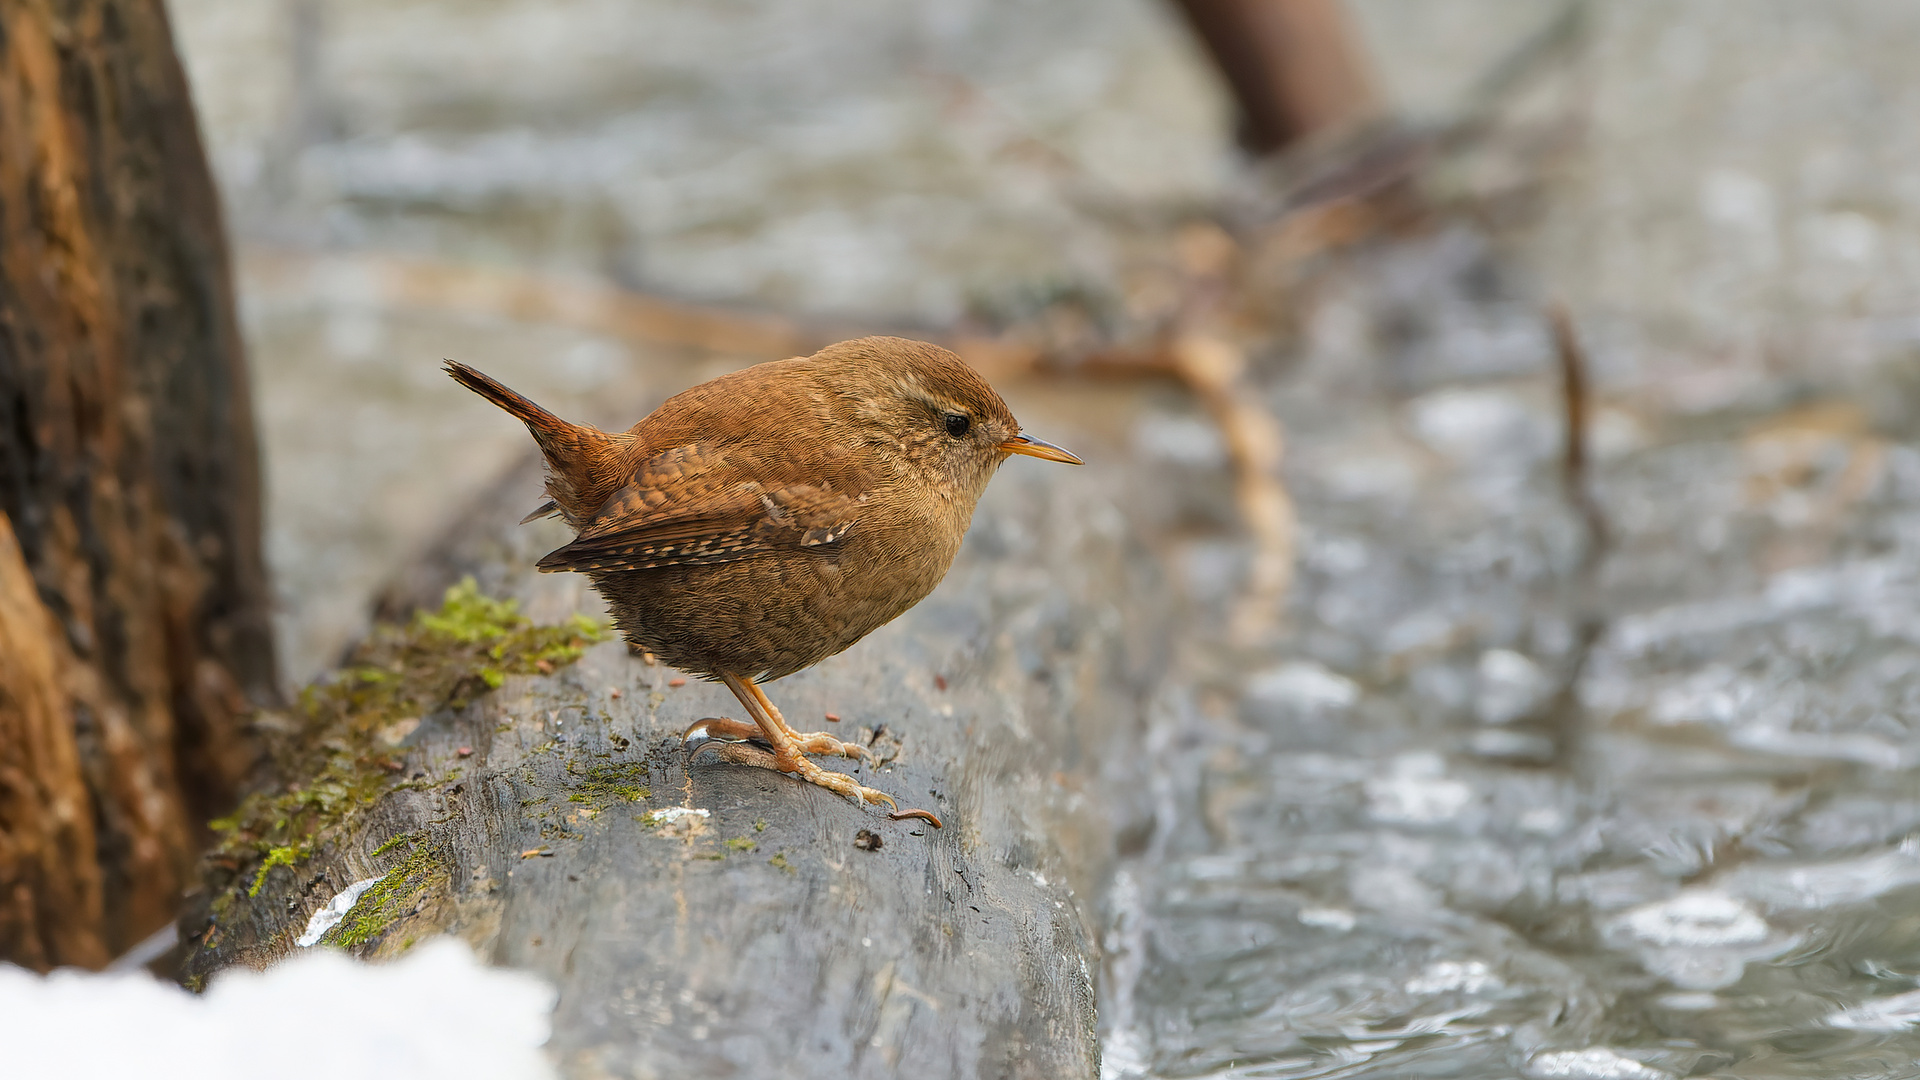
<point>710,919</point>
<point>129,478</point>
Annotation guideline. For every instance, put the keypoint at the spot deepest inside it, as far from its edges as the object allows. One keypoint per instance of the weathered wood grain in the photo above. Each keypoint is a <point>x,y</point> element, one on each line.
<point>50,902</point>
<point>127,460</point>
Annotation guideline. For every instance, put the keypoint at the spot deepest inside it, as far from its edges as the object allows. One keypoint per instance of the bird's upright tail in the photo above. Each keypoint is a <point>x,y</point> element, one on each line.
<point>537,419</point>
<point>572,450</point>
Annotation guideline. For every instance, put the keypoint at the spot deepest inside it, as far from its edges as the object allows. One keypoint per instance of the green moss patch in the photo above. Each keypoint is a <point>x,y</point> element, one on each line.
<point>329,744</point>
<point>602,784</point>
<point>388,900</point>
<point>280,856</point>
<point>396,841</point>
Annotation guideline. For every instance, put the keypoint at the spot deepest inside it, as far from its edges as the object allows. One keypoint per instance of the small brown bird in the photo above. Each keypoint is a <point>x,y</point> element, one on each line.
<point>763,521</point>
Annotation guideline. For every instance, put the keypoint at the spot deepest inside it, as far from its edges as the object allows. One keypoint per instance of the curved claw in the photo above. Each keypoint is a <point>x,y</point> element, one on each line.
<point>737,753</point>
<point>719,727</point>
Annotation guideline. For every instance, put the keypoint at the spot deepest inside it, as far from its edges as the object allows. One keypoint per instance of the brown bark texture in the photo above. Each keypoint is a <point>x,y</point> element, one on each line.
<point>134,637</point>
<point>1294,66</point>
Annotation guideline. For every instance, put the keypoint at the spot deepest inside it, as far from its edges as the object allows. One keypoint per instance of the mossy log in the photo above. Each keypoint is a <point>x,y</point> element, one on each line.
<point>136,621</point>
<point>525,788</point>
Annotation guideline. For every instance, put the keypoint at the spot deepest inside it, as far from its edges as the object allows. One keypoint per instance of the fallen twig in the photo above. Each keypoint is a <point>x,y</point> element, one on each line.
<point>1575,475</point>
<point>1215,370</point>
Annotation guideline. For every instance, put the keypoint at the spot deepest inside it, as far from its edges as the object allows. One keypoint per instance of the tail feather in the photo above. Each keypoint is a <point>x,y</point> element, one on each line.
<point>560,439</point>
<point>573,451</point>
<point>488,387</point>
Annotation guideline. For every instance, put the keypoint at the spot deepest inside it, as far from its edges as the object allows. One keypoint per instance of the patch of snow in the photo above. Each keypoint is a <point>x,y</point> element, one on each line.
<point>435,1014</point>
<point>677,813</point>
<point>328,917</point>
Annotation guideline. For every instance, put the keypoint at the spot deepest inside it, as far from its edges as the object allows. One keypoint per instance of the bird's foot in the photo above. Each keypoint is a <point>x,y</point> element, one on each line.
<point>839,783</point>
<point>819,742</point>
<point>815,742</point>
<point>756,754</point>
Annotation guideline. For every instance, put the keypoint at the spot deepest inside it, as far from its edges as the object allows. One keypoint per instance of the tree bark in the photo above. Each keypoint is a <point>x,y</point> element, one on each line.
<point>128,475</point>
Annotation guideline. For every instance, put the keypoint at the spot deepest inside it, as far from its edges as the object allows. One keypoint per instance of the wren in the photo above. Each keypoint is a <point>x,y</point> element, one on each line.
<point>765,520</point>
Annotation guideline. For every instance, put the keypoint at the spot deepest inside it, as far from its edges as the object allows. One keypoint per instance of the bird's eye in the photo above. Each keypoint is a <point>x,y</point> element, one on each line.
<point>958,424</point>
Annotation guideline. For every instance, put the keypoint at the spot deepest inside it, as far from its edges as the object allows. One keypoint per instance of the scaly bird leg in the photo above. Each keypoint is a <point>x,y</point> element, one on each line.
<point>720,727</point>
<point>786,756</point>
<point>812,742</point>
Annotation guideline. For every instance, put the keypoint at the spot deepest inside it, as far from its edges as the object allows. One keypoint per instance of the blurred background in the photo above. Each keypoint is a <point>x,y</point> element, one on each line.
<point>1368,839</point>
<point>1720,191</point>
<point>927,165</point>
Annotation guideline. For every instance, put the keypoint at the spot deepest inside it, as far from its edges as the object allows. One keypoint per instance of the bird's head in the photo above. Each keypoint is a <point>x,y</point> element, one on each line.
<point>931,411</point>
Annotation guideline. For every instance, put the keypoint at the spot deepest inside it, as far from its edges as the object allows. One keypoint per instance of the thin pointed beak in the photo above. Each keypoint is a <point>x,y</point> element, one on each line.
<point>1021,444</point>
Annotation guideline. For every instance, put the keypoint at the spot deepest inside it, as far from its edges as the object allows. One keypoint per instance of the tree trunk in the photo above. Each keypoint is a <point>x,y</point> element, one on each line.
<point>128,479</point>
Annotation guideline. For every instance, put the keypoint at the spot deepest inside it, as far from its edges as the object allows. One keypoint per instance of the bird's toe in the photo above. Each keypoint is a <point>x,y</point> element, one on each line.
<point>718,727</point>
<point>819,742</point>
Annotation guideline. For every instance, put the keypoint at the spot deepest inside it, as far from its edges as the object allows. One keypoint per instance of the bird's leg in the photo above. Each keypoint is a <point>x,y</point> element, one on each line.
<point>812,742</point>
<point>786,756</point>
<point>819,742</point>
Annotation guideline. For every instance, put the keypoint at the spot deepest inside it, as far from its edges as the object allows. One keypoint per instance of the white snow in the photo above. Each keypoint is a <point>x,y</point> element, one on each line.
<point>675,813</point>
<point>328,917</point>
<point>435,1013</point>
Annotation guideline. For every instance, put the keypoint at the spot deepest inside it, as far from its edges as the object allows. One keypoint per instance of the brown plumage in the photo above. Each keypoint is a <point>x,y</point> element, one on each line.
<point>765,520</point>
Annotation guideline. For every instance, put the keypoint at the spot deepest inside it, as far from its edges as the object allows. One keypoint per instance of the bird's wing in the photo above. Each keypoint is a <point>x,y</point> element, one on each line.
<point>701,504</point>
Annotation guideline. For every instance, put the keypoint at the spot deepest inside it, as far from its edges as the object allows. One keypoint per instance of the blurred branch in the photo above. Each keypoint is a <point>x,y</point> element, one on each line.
<point>1215,370</point>
<point>1293,66</point>
<point>1375,159</point>
<point>1577,409</point>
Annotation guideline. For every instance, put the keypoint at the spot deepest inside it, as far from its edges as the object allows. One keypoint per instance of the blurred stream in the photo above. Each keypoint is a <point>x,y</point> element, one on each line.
<point>1426,833</point>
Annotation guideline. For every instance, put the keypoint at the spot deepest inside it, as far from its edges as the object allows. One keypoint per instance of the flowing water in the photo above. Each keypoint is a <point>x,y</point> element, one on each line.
<point>1492,807</point>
